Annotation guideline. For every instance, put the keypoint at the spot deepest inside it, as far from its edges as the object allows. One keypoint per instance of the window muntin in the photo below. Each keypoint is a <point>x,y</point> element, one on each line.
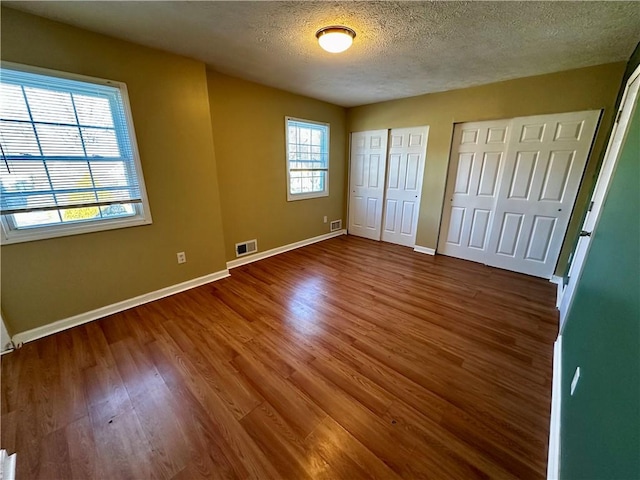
<point>69,161</point>
<point>307,159</point>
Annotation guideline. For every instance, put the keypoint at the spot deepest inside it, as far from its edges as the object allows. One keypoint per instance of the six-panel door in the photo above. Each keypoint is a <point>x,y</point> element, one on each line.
<point>368,163</point>
<point>511,188</point>
<point>405,169</point>
<point>544,165</point>
<point>477,159</point>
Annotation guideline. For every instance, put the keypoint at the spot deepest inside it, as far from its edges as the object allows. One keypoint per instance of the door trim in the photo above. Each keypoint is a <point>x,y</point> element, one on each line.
<point>607,170</point>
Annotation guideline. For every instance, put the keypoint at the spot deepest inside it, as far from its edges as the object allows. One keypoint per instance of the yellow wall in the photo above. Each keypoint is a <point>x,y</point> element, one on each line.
<point>179,111</point>
<point>574,90</point>
<point>249,134</point>
<point>48,280</point>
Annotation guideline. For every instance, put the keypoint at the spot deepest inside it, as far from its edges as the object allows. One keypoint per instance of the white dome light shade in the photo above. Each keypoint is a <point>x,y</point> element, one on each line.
<point>335,39</point>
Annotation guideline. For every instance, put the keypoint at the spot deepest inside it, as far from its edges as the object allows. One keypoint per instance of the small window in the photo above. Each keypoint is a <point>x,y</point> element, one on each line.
<point>307,159</point>
<point>69,157</point>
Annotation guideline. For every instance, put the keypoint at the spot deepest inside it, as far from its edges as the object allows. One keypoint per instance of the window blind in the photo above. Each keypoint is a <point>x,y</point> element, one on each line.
<point>64,144</point>
<point>308,156</point>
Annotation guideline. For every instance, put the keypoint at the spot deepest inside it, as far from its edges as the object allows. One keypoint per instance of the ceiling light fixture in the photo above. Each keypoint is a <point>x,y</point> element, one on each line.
<point>335,39</point>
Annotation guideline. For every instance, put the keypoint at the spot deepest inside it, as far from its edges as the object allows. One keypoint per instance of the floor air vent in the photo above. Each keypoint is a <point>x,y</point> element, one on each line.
<point>246,248</point>
<point>336,225</point>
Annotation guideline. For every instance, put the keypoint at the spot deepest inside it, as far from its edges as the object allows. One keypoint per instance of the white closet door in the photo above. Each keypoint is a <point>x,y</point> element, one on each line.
<point>407,152</point>
<point>511,189</point>
<point>543,168</point>
<point>477,159</point>
<point>366,179</point>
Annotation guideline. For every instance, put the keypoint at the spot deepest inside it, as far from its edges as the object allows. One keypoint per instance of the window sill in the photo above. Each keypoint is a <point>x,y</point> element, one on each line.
<point>306,196</point>
<point>43,233</point>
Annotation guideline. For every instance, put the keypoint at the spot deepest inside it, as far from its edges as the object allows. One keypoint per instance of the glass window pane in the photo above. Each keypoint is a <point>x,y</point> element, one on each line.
<point>33,219</point>
<point>296,185</point>
<point>50,106</point>
<point>79,214</point>
<point>60,141</point>
<point>12,103</point>
<point>100,142</point>
<point>113,195</point>
<point>30,201</point>
<point>305,136</point>
<point>306,153</point>
<point>109,174</point>
<point>93,111</point>
<point>75,198</point>
<point>25,175</point>
<point>18,139</point>
<point>69,175</point>
<point>118,210</point>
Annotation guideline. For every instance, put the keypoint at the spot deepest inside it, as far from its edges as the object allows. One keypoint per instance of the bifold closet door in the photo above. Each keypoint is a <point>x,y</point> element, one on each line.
<point>366,181</point>
<point>405,169</point>
<point>476,160</point>
<point>509,206</point>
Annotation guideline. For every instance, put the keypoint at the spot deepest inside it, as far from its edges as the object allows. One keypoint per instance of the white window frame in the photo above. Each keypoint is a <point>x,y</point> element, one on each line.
<point>305,196</point>
<point>142,215</point>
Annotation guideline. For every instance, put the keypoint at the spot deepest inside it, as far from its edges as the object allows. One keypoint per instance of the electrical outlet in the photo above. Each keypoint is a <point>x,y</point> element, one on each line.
<point>182,257</point>
<point>325,219</point>
<point>574,382</point>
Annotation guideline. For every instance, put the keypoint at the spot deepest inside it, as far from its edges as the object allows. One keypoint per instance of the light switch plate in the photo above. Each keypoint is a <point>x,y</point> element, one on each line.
<point>574,382</point>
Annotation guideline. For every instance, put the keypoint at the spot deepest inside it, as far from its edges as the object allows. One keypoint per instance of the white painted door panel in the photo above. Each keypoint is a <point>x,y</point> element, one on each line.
<point>475,167</point>
<point>543,168</point>
<point>511,189</point>
<point>628,104</point>
<point>368,163</point>
<point>406,159</point>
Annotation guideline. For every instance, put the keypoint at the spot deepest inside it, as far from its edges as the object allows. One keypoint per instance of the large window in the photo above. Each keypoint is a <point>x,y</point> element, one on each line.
<point>69,158</point>
<point>307,159</point>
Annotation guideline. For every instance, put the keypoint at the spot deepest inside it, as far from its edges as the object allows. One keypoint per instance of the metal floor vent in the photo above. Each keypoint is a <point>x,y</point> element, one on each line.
<point>336,225</point>
<point>246,248</point>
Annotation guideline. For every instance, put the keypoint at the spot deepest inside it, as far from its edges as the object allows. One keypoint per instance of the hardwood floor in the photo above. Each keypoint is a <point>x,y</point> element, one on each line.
<point>344,359</point>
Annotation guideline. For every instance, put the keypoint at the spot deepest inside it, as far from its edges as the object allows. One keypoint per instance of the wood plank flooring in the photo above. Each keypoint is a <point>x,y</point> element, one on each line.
<point>344,359</point>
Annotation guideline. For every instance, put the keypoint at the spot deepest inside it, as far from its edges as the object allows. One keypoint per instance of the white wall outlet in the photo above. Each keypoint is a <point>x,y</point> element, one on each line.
<point>325,219</point>
<point>182,257</point>
<point>574,382</point>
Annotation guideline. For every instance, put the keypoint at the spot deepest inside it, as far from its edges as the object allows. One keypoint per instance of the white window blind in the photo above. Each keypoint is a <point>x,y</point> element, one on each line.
<point>67,152</point>
<point>307,158</point>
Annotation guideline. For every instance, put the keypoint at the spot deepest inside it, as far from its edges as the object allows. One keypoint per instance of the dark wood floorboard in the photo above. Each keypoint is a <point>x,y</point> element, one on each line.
<point>344,359</point>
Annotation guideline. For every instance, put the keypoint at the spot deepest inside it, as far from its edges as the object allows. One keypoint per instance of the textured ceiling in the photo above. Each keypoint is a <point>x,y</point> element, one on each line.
<point>401,49</point>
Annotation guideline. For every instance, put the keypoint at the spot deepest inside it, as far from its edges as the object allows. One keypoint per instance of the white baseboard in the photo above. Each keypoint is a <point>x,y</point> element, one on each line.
<point>559,281</point>
<point>285,248</point>
<point>428,251</point>
<point>5,341</point>
<point>553,464</point>
<point>86,317</point>
<point>7,465</point>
